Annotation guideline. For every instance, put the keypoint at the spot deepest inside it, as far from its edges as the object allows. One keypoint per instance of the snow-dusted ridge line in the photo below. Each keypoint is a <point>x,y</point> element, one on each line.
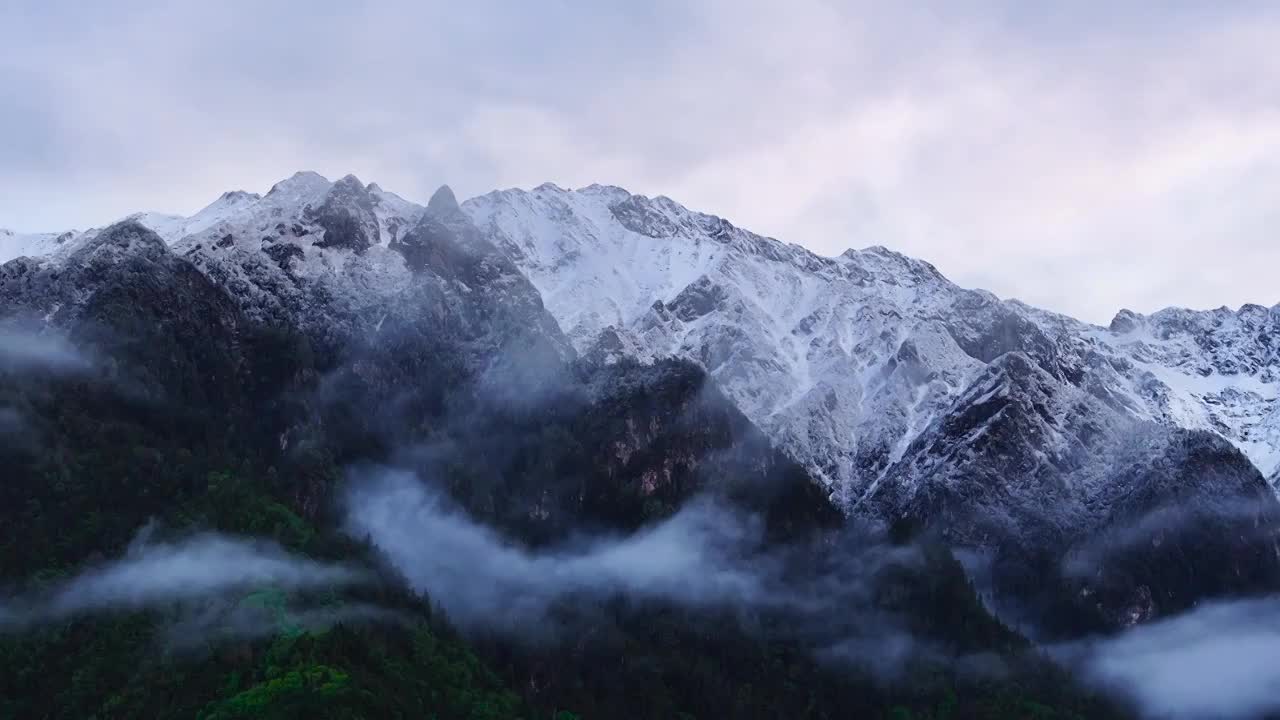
<point>845,361</point>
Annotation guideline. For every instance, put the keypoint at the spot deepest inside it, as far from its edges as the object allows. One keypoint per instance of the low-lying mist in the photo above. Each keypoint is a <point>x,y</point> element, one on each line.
<point>697,557</point>
<point>707,556</point>
<point>46,350</point>
<point>1217,661</point>
<point>205,576</point>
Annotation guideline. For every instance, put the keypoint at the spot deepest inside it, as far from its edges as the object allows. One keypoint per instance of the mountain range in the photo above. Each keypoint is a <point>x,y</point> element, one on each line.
<point>901,394</point>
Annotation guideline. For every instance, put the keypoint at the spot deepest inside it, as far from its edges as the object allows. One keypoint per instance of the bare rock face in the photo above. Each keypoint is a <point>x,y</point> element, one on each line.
<point>641,217</point>
<point>443,202</point>
<point>346,216</point>
<point>698,299</point>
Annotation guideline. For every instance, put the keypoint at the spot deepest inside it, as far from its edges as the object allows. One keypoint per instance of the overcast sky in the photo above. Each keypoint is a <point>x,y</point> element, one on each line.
<point>1080,155</point>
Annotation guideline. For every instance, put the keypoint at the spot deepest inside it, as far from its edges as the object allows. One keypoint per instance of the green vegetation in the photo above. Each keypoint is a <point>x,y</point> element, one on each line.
<point>124,666</point>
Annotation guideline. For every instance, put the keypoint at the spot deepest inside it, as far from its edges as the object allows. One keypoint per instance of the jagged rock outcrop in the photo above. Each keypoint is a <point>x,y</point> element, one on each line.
<point>345,216</point>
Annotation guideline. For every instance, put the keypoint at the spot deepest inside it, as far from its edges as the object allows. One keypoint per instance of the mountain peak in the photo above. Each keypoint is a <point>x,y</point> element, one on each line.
<point>239,196</point>
<point>599,188</point>
<point>128,237</point>
<point>301,183</point>
<point>350,181</point>
<point>443,201</point>
<point>305,176</point>
<point>1125,321</point>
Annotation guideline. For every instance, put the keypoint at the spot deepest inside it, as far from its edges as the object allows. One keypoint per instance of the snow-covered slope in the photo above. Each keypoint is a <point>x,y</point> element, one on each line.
<point>847,360</point>
<point>15,244</point>
<point>173,227</point>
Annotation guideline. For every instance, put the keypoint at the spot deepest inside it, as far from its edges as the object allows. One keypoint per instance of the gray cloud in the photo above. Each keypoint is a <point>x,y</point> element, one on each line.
<point>483,580</point>
<point>159,574</point>
<point>203,565</point>
<point>46,350</point>
<point>705,557</point>
<point>1080,156</point>
<point>1216,661</point>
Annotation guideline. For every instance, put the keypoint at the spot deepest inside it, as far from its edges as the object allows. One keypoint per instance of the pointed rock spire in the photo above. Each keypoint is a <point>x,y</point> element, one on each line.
<point>443,201</point>
<point>350,182</point>
<point>301,184</point>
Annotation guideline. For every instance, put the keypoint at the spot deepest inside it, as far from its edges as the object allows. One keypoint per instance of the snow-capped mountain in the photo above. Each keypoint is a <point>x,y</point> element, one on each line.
<point>844,361</point>
<point>905,396</point>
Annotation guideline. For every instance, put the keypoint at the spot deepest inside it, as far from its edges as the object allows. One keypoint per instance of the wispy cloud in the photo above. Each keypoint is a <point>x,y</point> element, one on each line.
<point>159,574</point>
<point>1218,661</point>
<point>485,580</point>
<point>706,557</point>
<point>45,350</point>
